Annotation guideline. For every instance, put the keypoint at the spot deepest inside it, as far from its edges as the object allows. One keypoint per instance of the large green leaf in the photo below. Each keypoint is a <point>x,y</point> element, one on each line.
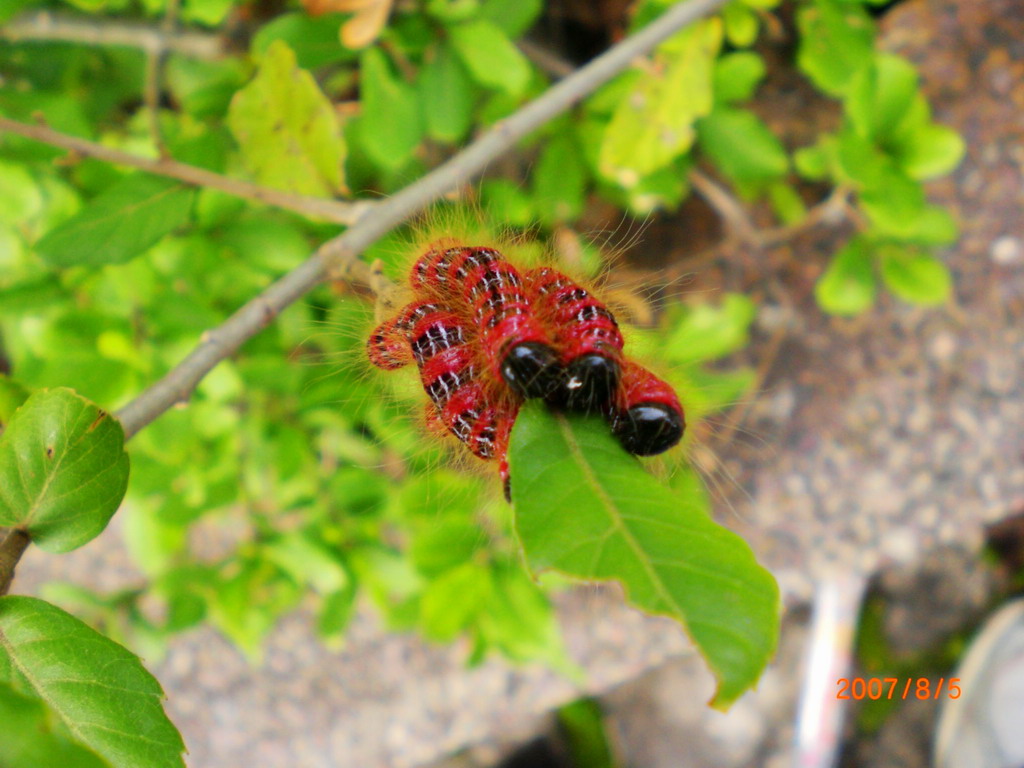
<point>121,223</point>
<point>286,127</point>
<point>653,124</point>
<point>102,693</point>
<point>31,740</point>
<point>586,508</point>
<point>63,469</point>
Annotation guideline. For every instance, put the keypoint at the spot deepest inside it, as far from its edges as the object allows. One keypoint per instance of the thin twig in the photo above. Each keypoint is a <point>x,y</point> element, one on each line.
<point>314,207</point>
<point>834,208</point>
<point>154,70</point>
<point>12,547</point>
<point>335,256</point>
<point>44,26</point>
<point>546,59</point>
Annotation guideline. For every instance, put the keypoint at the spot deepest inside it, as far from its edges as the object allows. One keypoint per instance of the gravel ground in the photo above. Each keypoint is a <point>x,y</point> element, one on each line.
<point>889,436</point>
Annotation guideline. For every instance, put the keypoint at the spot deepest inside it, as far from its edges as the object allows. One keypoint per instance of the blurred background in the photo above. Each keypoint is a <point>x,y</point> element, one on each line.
<point>808,211</point>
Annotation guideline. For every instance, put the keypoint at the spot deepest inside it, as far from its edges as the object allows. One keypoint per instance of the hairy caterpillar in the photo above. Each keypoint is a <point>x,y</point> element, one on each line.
<point>586,335</point>
<point>445,349</point>
<point>647,417</point>
<point>514,343</point>
<point>485,335</point>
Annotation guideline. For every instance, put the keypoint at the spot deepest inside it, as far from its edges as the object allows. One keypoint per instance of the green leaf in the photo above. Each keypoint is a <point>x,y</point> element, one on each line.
<point>880,96</point>
<point>559,180</point>
<point>127,219</point>
<point>286,128</point>
<point>930,151</point>
<point>208,12</point>
<point>737,75</point>
<point>707,332</point>
<point>490,57</point>
<point>893,203</point>
<point>505,201</point>
<point>439,545</point>
<point>32,739</point>
<point>742,146</point>
<point>308,561</point>
<point>63,469</point>
<point>517,618</point>
<point>787,203</point>
<point>934,225</point>
<point>848,285</point>
<point>447,96</point>
<point>836,40</point>
<point>586,508</point>
<point>101,692</point>
<point>582,722</point>
<point>313,38</point>
<point>391,126</point>
<point>914,276</point>
<point>12,7</point>
<point>816,162</point>
<point>513,17</point>
<point>204,88</point>
<point>741,24</point>
<point>336,612</point>
<point>452,600</point>
<point>12,395</point>
<point>654,123</point>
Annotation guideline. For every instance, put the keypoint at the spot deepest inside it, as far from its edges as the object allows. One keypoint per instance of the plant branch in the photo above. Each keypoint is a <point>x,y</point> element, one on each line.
<point>314,207</point>
<point>12,548</point>
<point>833,208</point>
<point>154,70</point>
<point>335,257</point>
<point>43,26</point>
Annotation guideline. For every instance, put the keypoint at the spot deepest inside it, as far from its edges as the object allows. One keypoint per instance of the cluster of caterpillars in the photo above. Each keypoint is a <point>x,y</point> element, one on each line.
<point>486,337</point>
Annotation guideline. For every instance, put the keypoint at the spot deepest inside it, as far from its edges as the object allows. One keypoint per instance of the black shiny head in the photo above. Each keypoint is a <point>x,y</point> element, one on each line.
<point>590,382</point>
<point>531,369</point>
<point>648,429</point>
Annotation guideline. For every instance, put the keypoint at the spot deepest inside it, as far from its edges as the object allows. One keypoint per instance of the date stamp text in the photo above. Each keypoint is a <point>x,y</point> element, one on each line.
<point>875,688</point>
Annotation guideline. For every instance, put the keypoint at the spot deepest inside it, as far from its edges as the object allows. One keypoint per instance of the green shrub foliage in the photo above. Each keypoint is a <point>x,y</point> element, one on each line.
<point>316,475</point>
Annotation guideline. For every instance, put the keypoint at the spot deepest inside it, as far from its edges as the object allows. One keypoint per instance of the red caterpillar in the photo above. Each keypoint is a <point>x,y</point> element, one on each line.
<point>513,342</point>
<point>586,334</point>
<point>647,417</point>
<point>441,345</point>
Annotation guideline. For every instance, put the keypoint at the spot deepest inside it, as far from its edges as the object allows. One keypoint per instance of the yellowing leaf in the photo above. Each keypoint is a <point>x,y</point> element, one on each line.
<point>366,26</point>
<point>287,129</point>
<point>653,124</point>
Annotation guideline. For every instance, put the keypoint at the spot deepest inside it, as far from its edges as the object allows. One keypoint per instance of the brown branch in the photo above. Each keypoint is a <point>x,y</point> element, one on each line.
<point>12,548</point>
<point>833,208</point>
<point>314,207</point>
<point>43,26</point>
<point>336,256</point>
<point>154,71</point>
